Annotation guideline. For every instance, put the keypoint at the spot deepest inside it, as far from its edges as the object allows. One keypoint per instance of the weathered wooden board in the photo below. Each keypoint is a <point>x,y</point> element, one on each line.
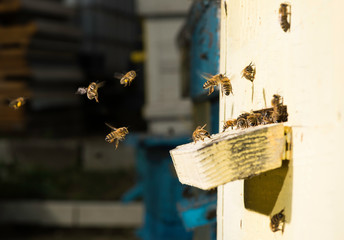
<point>231,155</point>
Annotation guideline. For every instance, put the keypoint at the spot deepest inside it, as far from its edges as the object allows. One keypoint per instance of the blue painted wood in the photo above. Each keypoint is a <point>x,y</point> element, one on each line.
<point>204,52</point>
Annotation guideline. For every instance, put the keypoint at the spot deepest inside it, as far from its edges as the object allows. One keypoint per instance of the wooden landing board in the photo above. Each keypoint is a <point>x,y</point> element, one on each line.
<point>229,156</point>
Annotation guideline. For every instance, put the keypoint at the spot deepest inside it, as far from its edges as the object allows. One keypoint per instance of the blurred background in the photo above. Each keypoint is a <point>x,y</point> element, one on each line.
<point>59,179</point>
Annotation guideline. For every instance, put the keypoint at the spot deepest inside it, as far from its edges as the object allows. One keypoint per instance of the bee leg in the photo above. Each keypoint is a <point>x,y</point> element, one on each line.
<point>96,97</point>
<point>211,90</point>
<point>116,143</point>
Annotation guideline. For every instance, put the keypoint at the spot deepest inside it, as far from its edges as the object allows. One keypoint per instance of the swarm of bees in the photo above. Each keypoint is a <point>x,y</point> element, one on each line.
<point>17,103</point>
<point>91,90</point>
<point>215,80</point>
<point>117,134</point>
<point>284,16</point>
<point>249,72</point>
<point>200,134</point>
<point>276,220</point>
<point>126,79</point>
<point>278,113</point>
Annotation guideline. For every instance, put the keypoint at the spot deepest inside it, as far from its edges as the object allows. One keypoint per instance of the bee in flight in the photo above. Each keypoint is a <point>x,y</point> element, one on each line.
<point>284,16</point>
<point>17,103</point>
<point>249,72</point>
<point>229,123</point>
<point>200,134</point>
<point>117,134</point>
<point>215,80</point>
<point>276,220</point>
<point>91,90</point>
<point>127,78</point>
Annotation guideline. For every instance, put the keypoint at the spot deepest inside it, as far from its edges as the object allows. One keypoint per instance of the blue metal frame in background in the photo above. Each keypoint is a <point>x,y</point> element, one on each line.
<point>204,52</point>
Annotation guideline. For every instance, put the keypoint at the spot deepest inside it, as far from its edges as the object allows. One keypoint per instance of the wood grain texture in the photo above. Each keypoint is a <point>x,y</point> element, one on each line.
<point>229,156</point>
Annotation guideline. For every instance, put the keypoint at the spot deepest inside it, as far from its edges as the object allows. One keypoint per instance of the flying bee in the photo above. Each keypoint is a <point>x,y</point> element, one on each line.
<point>284,16</point>
<point>118,134</point>
<point>226,86</point>
<point>215,80</point>
<point>212,81</point>
<point>276,220</point>
<point>126,79</point>
<point>200,134</point>
<point>249,72</point>
<point>17,103</point>
<point>229,123</point>
<point>91,90</point>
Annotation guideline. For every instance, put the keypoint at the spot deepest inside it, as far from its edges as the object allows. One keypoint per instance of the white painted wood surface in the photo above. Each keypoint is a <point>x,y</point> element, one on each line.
<point>305,67</point>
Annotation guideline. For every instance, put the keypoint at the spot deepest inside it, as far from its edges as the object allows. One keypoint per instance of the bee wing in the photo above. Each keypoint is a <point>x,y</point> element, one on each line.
<point>113,128</point>
<point>81,90</point>
<point>101,84</point>
<point>206,76</point>
<point>118,75</point>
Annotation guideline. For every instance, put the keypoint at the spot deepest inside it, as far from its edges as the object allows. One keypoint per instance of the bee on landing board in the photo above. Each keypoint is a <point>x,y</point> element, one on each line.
<point>126,79</point>
<point>253,120</point>
<point>249,72</point>
<point>284,16</point>
<point>276,102</point>
<point>200,134</point>
<point>215,80</point>
<point>229,123</point>
<point>91,90</point>
<point>17,103</point>
<point>116,135</point>
<point>276,220</point>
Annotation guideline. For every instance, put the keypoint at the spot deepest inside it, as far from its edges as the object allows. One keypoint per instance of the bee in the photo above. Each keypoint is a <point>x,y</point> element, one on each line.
<point>229,123</point>
<point>226,86</point>
<point>200,134</point>
<point>126,79</point>
<point>215,80</point>
<point>266,117</point>
<point>118,134</point>
<point>242,123</point>
<point>249,72</point>
<point>253,120</point>
<point>276,220</point>
<point>284,16</point>
<point>276,101</point>
<point>17,103</point>
<point>91,90</point>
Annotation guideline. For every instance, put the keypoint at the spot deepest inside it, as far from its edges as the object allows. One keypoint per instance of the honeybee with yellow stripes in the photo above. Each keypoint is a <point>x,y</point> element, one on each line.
<point>116,135</point>
<point>91,90</point>
<point>229,123</point>
<point>200,134</point>
<point>276,220</point>
<point>215,80</point>
<point>126,79</point>
<point>249,72</point>
<point>17,103</point>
